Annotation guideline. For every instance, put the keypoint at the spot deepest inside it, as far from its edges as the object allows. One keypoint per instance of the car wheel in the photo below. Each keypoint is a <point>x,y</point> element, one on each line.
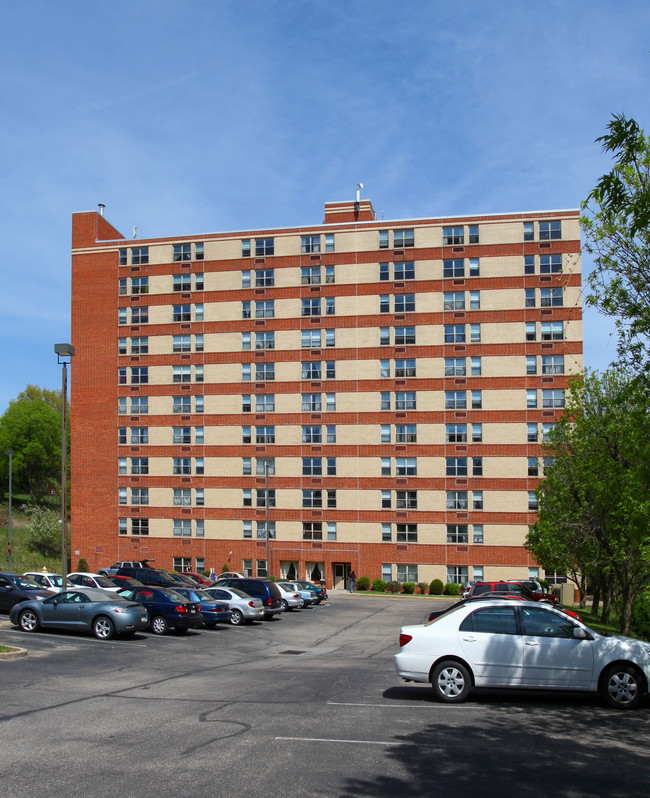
<point>103,628</point>
<point>237,618</point>
<point>28,621</point>
<point>621,686</point>
<point>451,682</point>
<point>159,625</point>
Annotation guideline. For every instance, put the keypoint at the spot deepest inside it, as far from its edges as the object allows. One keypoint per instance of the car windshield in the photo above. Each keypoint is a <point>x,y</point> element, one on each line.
<point>102,581</point>
<point>238,593</point>
<point>454,608</point>
<point>202,595</point>
<point>26,583</point>
<point>172,595</point>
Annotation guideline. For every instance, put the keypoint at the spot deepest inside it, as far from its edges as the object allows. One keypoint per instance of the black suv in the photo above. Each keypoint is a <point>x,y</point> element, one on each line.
<point>262,589</point>
<point>150,576</point>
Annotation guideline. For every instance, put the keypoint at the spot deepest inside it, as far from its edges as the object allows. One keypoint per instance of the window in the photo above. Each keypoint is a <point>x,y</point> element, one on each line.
<point>198,404</point>
<point>139,285</point>
<point>406,499</point>
<point>386,533</point>
<point>477,433</point>
<point>456,466</point>
<point>121,346</point>
<point>182,343</point>
<point>264,372</point>
<point>529,231</point>
<point>455,367</point>
<point>310,275</point>
<point>454,333</point>
<point>330,337</point>
<point>404,270</point>
<point>550,230</point>
<point>182,435</point>
<point>263,247</point>
<point>139,256</point>
<point>181,373</point>
<point>452,236</point>
<point>139,435</point>
<point>477,400</point>
<point>182,527</point>
<point>477,466</point>
<point>265,340</point>
<point>198,342</point>
<point>552,331</point>
<point>406,533</point>
<point>457,533</point>
<point>330,306</point>
<point>475,333</point>
<point>311,370</point>
<point>265,403</point>
<point>386,501</point>
<point>455,400</point>
<point>122,257</point>
<point>384,303</point>
<point>403,238</point>
<point>121,466</point>
<point>453,268</point>
<point>139,405</point>
<point>552,364</point>
<point>474,267</point>
<point>529,264</point>
<point>121,376</point>
<point>198,312</point>
<point>405,400</point>
<point>385,467</point>
<point>404,335</point>
<point>531,398</point>
<point>139,315</point>
<point>199,251</point>
<point>476,367</point>
<point>264,464</point>
<point>182,252</point>
<point>264,435</point>
<point>311,403</point>
<point>406,433</point>
<point>473,234</point>
<point>246,248</point>
<point>474,300</point>
<point>385,433</point>
<point>139,466</point>
<point>406,466</point>
<point>384,401</point>
<point>312,530</point>
<point>264,497</point>
<point>330,402</point>
<point>139,346</point>
<point>553,398</point>
<point>531,364</point>
<point>477,500</point>
<point>533,467</point>
<point>265,309</point>
<point>454,301</point>
<point>383,239</point>
<point>532,501</point>
<point>551,298</point>
<point>121,495</point>
<point>384,368</point>
<point>406,573</point>
<point>246,372</point>
<point>550,264</point>
<point>384,271</point>
<point>139,375</point>
<point>182,313</point>
<point>140,496</point>
<point>139,526</point>
<point>331,433</point>
<point>531,433</point>
<point>182,404</point>
<point>457,500</point>
<point>458,575</point>
<point>264,278</point>
<point>310,307</point>
<point>121,436</point>
<point>531,331</point>
<point>309,244</point>
<point>121,405</point>
<point>245,310</point>
<point>182,497</point>
<point>261,530</point>
<point>456,433</point>
<point>529,297</point>
<point>312,498</point>
<point>329,242</point>
<point>312,466</point>
<point>182,466</point>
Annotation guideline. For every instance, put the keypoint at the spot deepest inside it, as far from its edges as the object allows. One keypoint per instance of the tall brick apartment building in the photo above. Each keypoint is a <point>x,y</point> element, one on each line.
<point>370,394</point>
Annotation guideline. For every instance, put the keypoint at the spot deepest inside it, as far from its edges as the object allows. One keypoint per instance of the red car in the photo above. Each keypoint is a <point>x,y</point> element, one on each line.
<point>199,579</point>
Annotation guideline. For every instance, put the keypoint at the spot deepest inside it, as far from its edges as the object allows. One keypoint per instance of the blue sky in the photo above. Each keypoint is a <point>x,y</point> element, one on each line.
<point>194,117</point>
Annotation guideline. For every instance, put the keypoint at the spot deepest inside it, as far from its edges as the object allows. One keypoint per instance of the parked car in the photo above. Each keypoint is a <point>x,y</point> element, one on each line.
<point>537,591</point>
<point>520,588</point>
<point>243,608</point>
<point>229,575</point>
<point>499,596</point>
<point>48,581</point>
<point>86,609</point>
<point>213,611</point>
<point>15,588</point>
<point>308,597</point>
<point>166,607</point>
<point>83,579</point>
<point>198,579</point>
<point>124,581</point>
<point>113,569</point>
<point>291,599</point>
<point>319,591</point>
<point>156,577</point>
<point>521,644</point>
<point>263,589</point>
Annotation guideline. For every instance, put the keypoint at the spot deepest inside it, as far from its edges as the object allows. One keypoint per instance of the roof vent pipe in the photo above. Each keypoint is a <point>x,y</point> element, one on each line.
<point>101,207</point>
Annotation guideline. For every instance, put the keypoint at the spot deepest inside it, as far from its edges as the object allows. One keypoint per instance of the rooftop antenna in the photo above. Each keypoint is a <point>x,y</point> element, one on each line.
<point>357,204</point>
<point>135,231</point>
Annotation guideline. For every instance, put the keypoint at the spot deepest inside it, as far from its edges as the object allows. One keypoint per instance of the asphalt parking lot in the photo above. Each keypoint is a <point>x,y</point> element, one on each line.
<point>308,705</point>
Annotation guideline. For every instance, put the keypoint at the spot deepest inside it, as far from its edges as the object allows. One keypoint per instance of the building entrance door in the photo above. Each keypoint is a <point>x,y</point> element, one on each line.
<point>340,575</point>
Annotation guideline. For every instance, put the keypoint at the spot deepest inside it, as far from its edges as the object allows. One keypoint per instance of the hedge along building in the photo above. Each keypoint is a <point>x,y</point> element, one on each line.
<point>357,395</point>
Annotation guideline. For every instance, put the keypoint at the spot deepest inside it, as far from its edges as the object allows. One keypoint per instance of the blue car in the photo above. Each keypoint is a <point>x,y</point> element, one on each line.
<point>166,607</point>
<point>212,610</point>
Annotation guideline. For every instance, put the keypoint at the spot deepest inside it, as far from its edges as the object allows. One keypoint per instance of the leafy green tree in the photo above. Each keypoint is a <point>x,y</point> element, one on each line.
<point>616,224</point>
<point>44,532</point>
<point>594,499</point>
<point>31,428</point>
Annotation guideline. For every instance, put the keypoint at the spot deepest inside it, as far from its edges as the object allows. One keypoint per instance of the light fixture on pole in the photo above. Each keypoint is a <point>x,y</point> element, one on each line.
<point>9,453</point>
<point>64,351</point>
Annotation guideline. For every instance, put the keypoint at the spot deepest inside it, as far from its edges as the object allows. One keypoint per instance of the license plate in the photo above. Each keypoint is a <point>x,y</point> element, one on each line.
<point>192,611</point>
<point>143,618</point>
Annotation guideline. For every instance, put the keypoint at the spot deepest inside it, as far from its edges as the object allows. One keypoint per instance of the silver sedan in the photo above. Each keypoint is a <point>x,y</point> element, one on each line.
<point>244,608</point>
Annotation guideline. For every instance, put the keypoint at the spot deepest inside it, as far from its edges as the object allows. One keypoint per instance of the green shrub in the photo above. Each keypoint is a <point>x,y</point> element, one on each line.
<point>436,588</point>
<point>225,568</point>
<point>363,583</point>
<point>452,589</point>
<point>82,566</point>
<point>379,585</point>
<point>409,587</point>
<point>423,587</point>
<point>641,615</point>
<point>393,587</point>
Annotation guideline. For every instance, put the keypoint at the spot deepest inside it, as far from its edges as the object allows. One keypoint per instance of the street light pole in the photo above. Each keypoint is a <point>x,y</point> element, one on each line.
<point>62,351</point>
<point>9,453</point>
<point>268,531</point>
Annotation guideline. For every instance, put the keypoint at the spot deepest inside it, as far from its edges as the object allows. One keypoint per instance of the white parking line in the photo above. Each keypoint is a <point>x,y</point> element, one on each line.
<point>405,706</point>
<point>355,742</point>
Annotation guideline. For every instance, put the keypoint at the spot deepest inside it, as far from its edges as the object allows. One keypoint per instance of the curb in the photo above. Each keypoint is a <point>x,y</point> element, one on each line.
<point>17,652</point>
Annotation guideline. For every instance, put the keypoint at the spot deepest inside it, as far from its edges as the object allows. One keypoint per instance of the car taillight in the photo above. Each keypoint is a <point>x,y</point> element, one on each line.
<point>269,601</point>
<point>295,595</point>
<point>404,639</point>
<point>181,608</point>
<point>251,603</point>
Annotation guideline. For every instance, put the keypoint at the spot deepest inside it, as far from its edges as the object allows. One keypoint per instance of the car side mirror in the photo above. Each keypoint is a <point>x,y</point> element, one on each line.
<point>580,634</point>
